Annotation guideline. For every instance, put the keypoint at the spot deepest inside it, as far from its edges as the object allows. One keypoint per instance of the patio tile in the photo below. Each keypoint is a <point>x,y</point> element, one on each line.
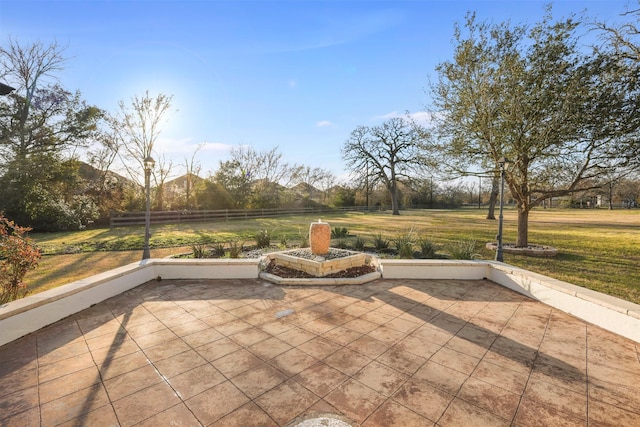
<point>145,339</point>
<point>216,402</point>
<point>286,401</point>
<point>196,380</point>
<point>622,396</point>
<point>236,363</point>
<point>68,384</point>
<point>381,378</point>
<point>386,334</point>
<point>145,403</point>
<point>217,349</point>
<point>603,414</point>
<point>258,380</point>
<point>423,398</point>
<point>559,398</point>
<point>219,318</point>
<point>18,401</point>
<point>249,415</point>
<point>532,413</point>
<point>178,415</point>
<point>269,348</point>
<point>401,360</point>
<point>441,377</point>
<point>293,361</point>
<point>497,375</point>
<point>347,361</point>
<point>103,416</point>
<point>455,360</point>
<point>320,378</point>
<point>295,336</point>
<point>202,336</point>
<point>12,381</point>
<point>489,397</point>
<point>131,382</point>
<point>461,413</point>
<point>73,405</point>
<point>418,346</point>
<point>393,414</point>
<point>165,350</point>
<point>111,368</point>
<point>319,347</point>
<point>275,327</point>
<point>182,362</point>
<point>368,346</point>
<point>64,367</point>
<point>342,335</point>
<point>249,336</point>
<point>355,400</point>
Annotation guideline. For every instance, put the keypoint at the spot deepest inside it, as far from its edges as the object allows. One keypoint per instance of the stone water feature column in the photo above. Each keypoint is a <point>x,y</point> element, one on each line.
<point>319,237</point>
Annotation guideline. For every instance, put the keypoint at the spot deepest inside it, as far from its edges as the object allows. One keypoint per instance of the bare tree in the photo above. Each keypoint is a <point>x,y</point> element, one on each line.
<point>136,128</point>
<point>192,169</point>
<point>391,153</point>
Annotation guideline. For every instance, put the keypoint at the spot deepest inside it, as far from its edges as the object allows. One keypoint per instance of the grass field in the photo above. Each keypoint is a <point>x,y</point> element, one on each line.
<point>598,249</point>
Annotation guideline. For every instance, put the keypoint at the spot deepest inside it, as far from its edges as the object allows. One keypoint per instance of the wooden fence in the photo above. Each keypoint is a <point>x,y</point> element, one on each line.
<point>123,219</point>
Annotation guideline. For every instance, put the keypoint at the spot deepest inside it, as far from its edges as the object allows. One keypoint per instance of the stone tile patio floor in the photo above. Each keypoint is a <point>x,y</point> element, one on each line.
<point>389,353</point>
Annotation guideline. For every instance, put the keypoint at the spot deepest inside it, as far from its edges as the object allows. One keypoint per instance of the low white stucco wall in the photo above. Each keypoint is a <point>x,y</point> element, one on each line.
<point>34,312</point>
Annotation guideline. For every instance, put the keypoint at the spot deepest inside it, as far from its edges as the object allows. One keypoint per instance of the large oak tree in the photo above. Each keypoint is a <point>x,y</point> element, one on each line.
<point>536,97</point>
<point>392,153</point>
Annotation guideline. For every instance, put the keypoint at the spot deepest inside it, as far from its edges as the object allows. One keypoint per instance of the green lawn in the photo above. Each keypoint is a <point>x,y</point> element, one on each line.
<point>599,249</point>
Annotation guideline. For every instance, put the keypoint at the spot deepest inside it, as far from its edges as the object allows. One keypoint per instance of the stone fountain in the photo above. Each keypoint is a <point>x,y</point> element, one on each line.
<point>320,261</point>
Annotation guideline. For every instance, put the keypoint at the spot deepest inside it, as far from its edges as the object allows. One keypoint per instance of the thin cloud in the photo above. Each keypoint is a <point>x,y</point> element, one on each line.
<point>421,117</point>
<point>324,123</point>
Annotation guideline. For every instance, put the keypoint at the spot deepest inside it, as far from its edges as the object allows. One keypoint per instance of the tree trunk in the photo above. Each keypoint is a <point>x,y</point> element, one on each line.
<point>611,196</point>
<point>493,197</point>
<point>523,228</point>
<point>394,200</point>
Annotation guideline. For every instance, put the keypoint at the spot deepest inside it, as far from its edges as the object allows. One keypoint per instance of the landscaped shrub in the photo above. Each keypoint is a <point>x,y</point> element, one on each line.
<point>380,242</point>
<point>304,240</point>
<point>217,250</point>
<point>404,244</point>
<point>427,248</point>
<point>199,250</point>
<point>263,239</point>
<point>339,232</point>
<point>284,241</point>
<point>359,243</point>
<point>235,248</point>
<point>18,255</point>
<point>465,249</point>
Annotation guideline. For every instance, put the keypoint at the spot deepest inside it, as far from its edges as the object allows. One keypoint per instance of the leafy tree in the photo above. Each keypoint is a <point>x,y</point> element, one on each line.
<point>391,153</point>
<point>531,96</point>
<point>41,123</point>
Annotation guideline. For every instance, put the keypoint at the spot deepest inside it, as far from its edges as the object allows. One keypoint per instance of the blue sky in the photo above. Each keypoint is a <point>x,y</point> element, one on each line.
<point>300,75</point>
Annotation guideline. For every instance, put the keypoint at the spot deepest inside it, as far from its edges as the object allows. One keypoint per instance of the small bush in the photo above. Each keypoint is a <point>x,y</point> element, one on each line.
<point>217,250</point>
<point>199,250</point>
<point>284,241</point>
<point>404,244</point>
<point>235,248</point>
<point>427,248</point>
<point>304,240</point>
<point>465,249</point>
<point>263,239</point>
<point>380,242</point>
<point>359,243</point>
<point>18,255</point>
<point>340,244</point>
<point>339,232</point>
